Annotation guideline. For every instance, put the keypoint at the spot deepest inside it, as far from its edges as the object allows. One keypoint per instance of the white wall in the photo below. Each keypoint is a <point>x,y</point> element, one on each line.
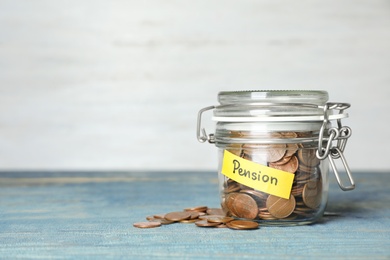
<point>117,84</point>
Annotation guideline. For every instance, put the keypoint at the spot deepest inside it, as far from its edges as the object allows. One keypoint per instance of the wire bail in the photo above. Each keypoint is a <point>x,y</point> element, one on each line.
<point>340,134</point>
<point>201,134</point>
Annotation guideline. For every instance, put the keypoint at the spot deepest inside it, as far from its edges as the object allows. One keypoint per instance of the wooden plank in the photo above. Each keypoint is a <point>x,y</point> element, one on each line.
<point>78,214</point>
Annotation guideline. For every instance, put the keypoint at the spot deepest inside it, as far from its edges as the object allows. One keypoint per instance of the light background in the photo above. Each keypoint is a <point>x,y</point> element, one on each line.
<point>116,85</point>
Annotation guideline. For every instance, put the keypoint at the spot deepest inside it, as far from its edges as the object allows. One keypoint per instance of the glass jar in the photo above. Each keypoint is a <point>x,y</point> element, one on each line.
<point>274,151</point>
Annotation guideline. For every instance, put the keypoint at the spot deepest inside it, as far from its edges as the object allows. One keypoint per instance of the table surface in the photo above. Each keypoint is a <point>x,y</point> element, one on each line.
<point>91,215</point>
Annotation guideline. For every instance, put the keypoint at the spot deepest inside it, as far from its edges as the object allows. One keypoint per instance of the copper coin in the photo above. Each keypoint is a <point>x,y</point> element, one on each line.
<point>244,206</point>
<point>205,217</point>
<point>308,157</point>
<point>276,152</point>
<point>178,215</point>
<point>232,187</point>
<point>197,208</point>
<point>279,207</point>
<point>256,152</point>
<point>221,226</point>
<point>230,198</point>
<point>220,219</point>
<point>163,221</point>
<point>291,149</point>
<point>282,161</point>
<point>189,221</point>
<point>146,224</point>
<point>266,216</point>
<point>291,166</point>
<point>150,218</point>
<point>306,169</point>
<point>242,224</point>
<point>215,211</point>
<point>258,196</point>
<point>205,223</point>
<point>194,215</point>
<point>159,216</point>
<point>312,194</point>
<point>289,134</point>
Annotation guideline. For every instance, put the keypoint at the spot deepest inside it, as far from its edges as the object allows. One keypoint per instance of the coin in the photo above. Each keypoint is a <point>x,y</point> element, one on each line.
<point>308,157</point>
<point>242,224</point>
<point>220,219</point>
<point>282,161</point>
<point>229,203</point>
<point>159,216</point>
<point>163,221</point>
<point>280,207</point>
<point>210,216</point>
<point>291,166</point>
<point>178,215</point>
<point>194,214</point>
<point>189,221</point>
<point>276,152</point>
<point>291,149</point>
<point>197,208</point>
<point>205,223</point>
<point>147,224</point>
<point>289,134</point>
<point>215,211</point>
<point>312,194</point>
<point>244,206</point>
<point>256,153</point>
<point>258,196</point>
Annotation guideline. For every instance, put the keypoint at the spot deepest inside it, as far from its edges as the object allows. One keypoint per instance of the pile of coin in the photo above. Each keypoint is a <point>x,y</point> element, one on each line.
<point>201,216</point>
<point>298,158</point>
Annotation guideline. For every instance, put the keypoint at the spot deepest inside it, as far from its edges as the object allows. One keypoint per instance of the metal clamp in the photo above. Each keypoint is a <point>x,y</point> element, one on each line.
<point>340,134</point>
<point>201,134</point>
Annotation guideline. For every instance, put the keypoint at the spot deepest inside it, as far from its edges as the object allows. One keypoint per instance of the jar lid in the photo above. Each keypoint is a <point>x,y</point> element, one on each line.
<point>314,97</point>
<point>272,106</point>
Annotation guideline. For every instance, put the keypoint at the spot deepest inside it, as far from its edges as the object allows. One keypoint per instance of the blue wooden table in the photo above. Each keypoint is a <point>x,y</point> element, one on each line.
<point>91,214</point>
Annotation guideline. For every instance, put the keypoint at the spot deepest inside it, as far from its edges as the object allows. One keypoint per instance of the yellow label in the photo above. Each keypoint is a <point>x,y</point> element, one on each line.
<point>257,176</point>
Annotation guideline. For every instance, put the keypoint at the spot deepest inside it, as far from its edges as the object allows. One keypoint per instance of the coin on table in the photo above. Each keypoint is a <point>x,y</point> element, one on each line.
<point>178,215</point>
<point>220,219</point>
<point>244,206</point>
<point>242,224</point>
<point>197,208</point>
<point>215,211</point>
<point>163,221</point>
<point>205,223</point>
<point>149,224</point>
<point>280,207</point>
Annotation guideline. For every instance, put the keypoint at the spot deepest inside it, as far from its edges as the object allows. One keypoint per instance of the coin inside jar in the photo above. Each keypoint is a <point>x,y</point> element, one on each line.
<point>244,206</point>
<point>308,157</point>
<point>312,194</point>
<point>290,166</point>
<point>280,207</point>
